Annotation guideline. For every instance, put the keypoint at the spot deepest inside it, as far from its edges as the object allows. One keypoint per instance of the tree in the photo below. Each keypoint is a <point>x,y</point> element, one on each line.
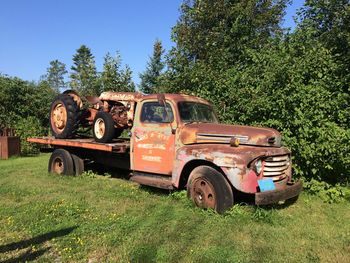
<point>55,75</point>
<point>150,79</point>
<point>329,22</point>
<point>24,106</point>
<point>126,77</point>
<point>113,77</point>
<point>84,76</point>
<point>235,54</point>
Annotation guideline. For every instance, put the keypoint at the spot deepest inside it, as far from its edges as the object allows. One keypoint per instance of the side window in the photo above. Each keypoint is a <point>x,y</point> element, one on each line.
<point>153,112</point>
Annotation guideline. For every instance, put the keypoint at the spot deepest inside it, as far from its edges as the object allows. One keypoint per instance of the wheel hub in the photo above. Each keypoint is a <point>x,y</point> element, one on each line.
<point>59,116</point>
<point>58,166</point>
<point>203,193</point>
<point>99,128</point>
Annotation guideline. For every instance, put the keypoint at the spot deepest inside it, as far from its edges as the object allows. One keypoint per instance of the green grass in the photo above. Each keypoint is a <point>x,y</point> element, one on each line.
<point>48,217</point>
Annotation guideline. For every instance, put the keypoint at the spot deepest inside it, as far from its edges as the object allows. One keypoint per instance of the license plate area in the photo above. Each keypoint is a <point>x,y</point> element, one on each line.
<point>266,185</point>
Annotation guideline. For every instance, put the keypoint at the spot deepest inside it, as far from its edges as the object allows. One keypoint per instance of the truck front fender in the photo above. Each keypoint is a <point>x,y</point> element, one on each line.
<point>213,155</point>
<point>233,162</point>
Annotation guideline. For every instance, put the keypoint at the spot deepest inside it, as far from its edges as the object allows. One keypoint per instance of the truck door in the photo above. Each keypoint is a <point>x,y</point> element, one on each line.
<point>153,141</point>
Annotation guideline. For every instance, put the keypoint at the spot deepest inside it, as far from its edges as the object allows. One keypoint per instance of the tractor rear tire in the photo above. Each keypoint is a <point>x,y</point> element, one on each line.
<point>64,117</point>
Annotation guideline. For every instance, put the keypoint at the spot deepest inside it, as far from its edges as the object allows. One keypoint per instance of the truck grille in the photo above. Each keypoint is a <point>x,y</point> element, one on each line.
<point>276,167</point>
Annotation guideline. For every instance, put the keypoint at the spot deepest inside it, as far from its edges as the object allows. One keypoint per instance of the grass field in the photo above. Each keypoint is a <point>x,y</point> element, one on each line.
<point>91,218</point>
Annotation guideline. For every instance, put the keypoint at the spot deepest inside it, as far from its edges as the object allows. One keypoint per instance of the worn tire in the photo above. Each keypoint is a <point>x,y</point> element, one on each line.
<point>208,188</point>
<point>78,164</point>
<point>103,127</point>
<point>61,162</point>
<point>64,117</point>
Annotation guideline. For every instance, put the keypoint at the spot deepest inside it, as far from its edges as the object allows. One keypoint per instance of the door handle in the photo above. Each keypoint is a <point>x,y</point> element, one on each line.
<point>136,135</point>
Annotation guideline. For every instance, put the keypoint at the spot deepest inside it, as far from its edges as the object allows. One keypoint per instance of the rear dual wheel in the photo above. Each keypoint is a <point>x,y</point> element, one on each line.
<point>62,162</point>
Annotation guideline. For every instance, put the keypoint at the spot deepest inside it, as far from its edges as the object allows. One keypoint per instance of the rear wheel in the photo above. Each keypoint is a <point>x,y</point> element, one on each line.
<point>103,127</point>
<point>64,117</point>
<point>208,188</point>
<point>61,162</point>
<point>78,164</point>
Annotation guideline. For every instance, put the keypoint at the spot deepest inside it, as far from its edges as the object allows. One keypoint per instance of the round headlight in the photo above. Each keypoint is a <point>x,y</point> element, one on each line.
<point>258,166</point>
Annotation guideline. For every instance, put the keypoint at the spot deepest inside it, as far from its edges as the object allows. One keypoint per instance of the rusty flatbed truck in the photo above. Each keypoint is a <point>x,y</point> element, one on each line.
<point>176,142</point>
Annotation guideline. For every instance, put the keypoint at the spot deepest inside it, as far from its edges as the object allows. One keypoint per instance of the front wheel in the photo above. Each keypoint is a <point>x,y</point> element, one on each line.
<point>208,188</point>
<point>103,127</point>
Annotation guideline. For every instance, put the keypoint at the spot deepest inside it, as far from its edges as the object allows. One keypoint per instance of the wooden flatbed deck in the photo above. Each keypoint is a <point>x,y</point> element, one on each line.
<point>117,146</point>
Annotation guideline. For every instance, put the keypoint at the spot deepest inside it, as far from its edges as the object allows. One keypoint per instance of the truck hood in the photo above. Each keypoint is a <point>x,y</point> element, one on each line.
<point>221,133</point>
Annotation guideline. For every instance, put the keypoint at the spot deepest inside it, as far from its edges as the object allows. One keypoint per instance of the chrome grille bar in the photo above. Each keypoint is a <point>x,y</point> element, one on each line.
<point>275,167</point>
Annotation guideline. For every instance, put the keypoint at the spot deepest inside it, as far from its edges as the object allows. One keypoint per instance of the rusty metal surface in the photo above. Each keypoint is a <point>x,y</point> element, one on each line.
<point>203,193</point>
<point>7,132</point>
<point>272,197</point>
<point>222,133</point>
<point>9,146</point>
<point>121,96</point>
<point>234,162</point>
<point>119,146</point>
<point>152,180</point>
<point>153,143</point>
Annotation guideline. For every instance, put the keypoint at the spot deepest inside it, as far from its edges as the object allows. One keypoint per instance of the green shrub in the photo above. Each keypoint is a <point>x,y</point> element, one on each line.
<point>29,127</point>
<point>328,193</point>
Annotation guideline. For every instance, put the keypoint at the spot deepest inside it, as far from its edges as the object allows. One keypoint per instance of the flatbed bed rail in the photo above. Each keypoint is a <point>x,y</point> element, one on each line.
<point>117,146</point>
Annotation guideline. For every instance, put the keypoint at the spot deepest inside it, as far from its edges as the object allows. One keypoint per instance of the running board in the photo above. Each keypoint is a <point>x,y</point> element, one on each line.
<point>159,181</point>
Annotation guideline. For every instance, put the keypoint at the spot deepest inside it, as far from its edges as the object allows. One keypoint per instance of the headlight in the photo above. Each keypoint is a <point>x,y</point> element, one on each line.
<point>258,166</point>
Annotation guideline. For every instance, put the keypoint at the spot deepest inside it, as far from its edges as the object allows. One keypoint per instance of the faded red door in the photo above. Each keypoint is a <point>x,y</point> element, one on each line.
<point>153,140</point>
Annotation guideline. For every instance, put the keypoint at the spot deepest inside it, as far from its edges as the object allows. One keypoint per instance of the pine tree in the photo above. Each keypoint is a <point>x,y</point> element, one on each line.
<point>84,76</point>
<point>113,78</point>
<point>150,77</point>
<point>110,78</point>
<point>126,77</point>
<point>55,75</point>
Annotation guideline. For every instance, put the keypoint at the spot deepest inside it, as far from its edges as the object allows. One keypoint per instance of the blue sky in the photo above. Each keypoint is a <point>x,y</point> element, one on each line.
<point>32,33</point>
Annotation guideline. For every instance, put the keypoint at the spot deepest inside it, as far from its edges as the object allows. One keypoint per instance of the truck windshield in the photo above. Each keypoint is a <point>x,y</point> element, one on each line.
<point>196,112</point>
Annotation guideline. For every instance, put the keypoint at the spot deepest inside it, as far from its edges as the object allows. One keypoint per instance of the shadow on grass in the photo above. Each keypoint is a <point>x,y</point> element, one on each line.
<point>27,256</point>
<point>239,197</point>
<point>156,191</point>
<point>102,169</point>
<point>36,240</point>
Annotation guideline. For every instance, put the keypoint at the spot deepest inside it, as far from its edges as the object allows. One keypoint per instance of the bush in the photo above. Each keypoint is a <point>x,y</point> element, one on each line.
<point>29,127</point>
<point>327,192</point>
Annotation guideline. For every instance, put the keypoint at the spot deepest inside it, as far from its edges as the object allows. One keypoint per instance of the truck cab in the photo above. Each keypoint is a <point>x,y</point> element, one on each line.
<point>178,139</point>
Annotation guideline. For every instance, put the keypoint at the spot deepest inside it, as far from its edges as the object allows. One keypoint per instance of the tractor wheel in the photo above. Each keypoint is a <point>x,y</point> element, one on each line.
<point>208,188</point>
<point>103,127</point>
<point>61,162</point>
<point>64,117</point>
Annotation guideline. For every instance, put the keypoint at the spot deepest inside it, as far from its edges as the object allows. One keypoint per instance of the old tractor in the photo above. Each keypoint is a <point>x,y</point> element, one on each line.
<point>108,115</point>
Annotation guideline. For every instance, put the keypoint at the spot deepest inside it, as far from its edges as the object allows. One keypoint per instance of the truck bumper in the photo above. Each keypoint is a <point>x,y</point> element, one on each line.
<point>272,197</point>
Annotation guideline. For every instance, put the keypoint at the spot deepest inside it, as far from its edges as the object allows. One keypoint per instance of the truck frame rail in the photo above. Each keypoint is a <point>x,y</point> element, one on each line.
<point>117,146</point>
